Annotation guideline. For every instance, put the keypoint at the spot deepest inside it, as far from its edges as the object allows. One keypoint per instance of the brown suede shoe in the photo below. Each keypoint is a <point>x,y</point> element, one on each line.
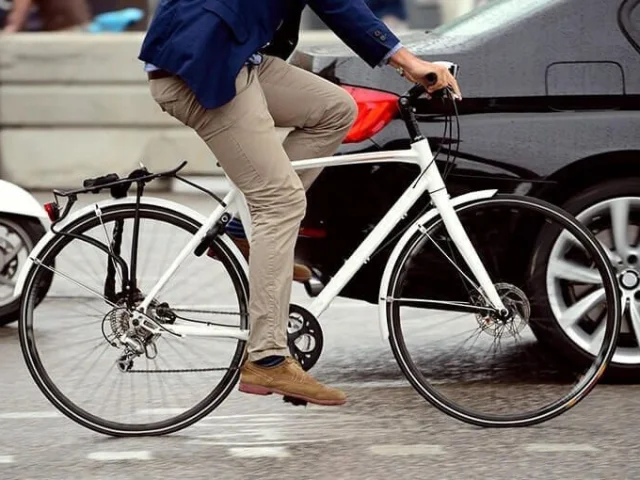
<point>301,273</point>
<point>287,379</point>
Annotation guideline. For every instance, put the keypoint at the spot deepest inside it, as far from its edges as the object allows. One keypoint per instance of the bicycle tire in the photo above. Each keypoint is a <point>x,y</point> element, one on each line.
<point>600,362</point>
<point>57,398</point>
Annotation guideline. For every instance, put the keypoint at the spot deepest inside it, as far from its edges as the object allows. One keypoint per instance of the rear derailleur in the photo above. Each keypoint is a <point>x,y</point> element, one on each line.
<point>134,332</point>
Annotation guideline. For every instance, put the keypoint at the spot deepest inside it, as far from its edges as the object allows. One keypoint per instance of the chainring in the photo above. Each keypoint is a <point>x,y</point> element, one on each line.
<point>305,336</point>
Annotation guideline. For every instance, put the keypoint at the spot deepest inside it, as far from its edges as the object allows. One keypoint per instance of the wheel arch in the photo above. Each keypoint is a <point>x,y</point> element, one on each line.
<point>587,172</point>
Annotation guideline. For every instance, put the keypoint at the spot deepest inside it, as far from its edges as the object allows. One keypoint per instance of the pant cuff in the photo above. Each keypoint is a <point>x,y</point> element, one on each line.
<point>281,352</point>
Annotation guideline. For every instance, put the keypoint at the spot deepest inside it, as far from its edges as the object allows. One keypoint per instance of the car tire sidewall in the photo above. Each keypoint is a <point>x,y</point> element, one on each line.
<point>34,230</point>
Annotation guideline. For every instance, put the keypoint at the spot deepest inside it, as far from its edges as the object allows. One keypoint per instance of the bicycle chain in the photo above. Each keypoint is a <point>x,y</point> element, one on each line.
<point>186,370</point>
<point>192,370</point>
<point>217,312</point>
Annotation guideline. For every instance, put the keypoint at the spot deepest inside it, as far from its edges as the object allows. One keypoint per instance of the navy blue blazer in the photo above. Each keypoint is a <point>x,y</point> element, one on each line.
<point>206,42</point>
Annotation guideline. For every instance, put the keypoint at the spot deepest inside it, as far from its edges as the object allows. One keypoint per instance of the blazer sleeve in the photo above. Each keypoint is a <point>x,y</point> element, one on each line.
<point>357,26</point>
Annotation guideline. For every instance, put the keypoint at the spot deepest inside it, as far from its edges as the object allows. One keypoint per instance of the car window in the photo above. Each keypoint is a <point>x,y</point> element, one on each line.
<point>495,14</point>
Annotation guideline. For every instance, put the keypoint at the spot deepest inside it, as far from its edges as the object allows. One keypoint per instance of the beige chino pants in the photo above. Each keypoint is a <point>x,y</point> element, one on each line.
<point>242,136</point>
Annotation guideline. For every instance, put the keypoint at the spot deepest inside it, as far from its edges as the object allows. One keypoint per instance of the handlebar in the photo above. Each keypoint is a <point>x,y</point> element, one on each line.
<point>432,78</point>
<point>407,111</point>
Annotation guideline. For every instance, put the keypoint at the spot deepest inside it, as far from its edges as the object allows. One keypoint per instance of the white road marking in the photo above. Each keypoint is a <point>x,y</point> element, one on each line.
<point>7,459</point>
<point>26,415</point>
<point>404,450</point>
<point>161,411</point>
<point>559,447</point>
<point>253,452</point>
<point>264,415</point>
<point>116,456</point>
<point>264,419</point>
<point>206,441</point>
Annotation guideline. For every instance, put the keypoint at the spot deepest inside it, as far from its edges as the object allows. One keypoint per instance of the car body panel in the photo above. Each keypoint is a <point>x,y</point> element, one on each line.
<point>518,40</point>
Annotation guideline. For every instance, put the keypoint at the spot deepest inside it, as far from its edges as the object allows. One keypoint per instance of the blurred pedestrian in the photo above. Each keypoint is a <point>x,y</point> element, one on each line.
<point>53,15</point>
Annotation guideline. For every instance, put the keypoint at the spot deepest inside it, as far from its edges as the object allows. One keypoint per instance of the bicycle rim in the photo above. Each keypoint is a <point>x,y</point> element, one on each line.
<point>147,409</point>
<point>451,381</point>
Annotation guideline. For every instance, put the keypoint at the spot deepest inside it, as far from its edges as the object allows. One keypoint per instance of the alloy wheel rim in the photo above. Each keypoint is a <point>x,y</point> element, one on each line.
<point>616,224</point>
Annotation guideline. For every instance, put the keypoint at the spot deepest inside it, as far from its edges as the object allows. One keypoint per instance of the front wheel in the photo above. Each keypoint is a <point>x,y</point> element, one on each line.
<point>474,365</point>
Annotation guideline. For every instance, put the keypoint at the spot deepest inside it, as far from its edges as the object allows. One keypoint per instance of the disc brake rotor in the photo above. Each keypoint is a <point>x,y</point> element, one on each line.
<point>519,309</point>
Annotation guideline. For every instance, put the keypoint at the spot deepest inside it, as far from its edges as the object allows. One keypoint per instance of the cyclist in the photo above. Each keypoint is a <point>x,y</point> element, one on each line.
<point>219,67</point>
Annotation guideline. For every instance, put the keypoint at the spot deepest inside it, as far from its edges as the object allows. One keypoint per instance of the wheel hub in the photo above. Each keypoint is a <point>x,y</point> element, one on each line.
<point>514,320</point>
<point>123,330</point>
<point>629,279</point>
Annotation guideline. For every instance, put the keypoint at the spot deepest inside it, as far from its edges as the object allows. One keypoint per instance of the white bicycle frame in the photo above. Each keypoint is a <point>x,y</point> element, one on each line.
<point>429,180</point>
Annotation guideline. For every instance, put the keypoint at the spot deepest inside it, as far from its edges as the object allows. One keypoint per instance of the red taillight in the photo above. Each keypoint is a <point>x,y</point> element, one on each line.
<point>375,110</point>
<point>53,211</point>
<point>308,232</point>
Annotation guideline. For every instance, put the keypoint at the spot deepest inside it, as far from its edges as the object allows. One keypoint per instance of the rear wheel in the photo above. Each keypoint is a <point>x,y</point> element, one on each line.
<point>94,362</point>
<point>469,362</point>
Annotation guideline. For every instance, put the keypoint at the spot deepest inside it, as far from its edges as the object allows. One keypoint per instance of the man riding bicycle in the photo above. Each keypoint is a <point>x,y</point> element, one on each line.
<point>219,67</point>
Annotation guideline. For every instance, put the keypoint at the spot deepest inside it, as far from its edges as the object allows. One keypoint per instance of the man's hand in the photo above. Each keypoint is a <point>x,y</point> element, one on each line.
<point>416,70</point>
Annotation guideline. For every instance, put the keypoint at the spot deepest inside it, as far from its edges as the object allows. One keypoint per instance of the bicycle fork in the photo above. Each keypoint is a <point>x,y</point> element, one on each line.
<point>440,198</point>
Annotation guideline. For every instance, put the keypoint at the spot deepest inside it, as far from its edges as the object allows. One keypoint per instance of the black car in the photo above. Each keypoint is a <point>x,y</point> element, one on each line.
<point>551,109</point>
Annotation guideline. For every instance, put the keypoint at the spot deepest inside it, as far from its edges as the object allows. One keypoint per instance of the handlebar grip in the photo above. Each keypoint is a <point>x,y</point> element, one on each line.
<point>432,78</point>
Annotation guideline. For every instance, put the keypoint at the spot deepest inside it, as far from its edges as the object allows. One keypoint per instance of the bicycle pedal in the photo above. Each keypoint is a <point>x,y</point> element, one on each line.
<point>294,401</point>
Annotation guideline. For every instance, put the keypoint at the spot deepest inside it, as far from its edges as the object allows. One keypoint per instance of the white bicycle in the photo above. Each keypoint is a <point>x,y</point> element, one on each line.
<point>170,338</point>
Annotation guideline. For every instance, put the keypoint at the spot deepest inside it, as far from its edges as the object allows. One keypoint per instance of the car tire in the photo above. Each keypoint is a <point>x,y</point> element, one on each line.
<point>30,231</point>
<point>596,207</point>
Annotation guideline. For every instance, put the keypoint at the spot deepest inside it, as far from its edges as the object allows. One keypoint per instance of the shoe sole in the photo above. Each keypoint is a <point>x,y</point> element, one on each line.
<point>264,391</point>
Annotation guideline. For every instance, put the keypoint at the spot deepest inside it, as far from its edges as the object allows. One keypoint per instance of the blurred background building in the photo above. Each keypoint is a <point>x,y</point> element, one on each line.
<point>90,107</point>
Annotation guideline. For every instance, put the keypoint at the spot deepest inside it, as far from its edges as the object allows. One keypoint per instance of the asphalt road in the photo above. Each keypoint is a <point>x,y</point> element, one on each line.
<point>386,430</point>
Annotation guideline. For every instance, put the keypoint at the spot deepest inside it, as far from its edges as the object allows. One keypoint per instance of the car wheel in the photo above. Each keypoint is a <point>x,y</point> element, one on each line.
<point>18,236</point>
<point>611,210</point>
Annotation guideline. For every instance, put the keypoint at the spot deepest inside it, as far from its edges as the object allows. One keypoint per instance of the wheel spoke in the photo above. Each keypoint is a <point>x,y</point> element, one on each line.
<point>634,313</point>
<point>620,226</point>
<point>597,337</point>
<point>574,313</point>
<point>13,254</point>
<point>574,272</point>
